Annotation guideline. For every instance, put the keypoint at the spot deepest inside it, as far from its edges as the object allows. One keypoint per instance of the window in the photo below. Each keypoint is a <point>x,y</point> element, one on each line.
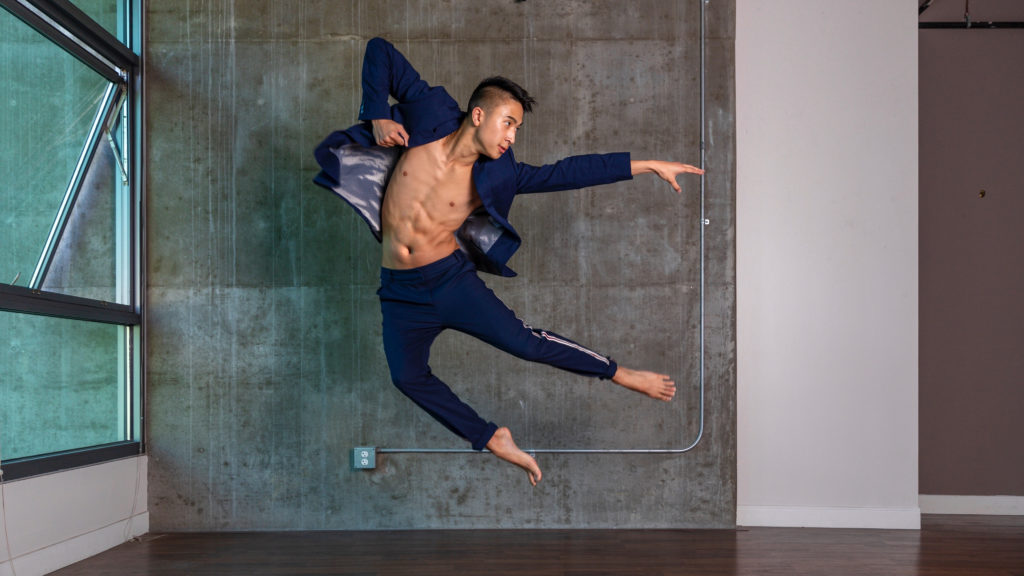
<point>70,300</point>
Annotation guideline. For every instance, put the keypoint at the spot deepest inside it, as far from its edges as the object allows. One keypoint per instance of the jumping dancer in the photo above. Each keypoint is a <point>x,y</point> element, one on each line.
<point>435,184</point>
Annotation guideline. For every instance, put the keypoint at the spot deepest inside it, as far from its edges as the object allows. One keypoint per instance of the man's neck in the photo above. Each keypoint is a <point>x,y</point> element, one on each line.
<point>459,149</point>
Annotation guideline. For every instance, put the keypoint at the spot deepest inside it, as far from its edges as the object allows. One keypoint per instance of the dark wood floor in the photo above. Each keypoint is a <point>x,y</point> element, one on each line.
<point>946,546</point>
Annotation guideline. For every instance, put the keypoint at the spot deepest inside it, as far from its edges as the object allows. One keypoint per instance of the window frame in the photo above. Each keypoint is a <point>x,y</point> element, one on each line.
<point>70,28</point>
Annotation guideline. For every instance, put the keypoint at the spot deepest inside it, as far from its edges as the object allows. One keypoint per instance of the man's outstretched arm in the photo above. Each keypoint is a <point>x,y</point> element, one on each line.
<point>667,171</point>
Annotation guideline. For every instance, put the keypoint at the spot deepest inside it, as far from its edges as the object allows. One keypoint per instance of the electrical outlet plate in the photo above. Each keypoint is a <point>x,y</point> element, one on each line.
<point>364,458</point>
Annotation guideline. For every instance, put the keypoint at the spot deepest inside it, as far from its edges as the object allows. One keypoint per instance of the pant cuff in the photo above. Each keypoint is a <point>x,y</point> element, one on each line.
<point>613,367</point>
<point>480,443</point>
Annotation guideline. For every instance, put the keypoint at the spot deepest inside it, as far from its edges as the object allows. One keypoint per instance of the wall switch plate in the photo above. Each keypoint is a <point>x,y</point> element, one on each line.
<point>364,458</point>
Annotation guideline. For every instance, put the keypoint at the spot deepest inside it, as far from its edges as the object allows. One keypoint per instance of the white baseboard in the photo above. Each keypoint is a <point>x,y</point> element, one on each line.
<point>68,552</point>
<point>811,517</point>
<point>989,505</point>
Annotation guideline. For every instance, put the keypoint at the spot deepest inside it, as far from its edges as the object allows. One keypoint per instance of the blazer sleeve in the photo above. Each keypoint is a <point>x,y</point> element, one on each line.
<point>573,172</point>
<point>386,72</point>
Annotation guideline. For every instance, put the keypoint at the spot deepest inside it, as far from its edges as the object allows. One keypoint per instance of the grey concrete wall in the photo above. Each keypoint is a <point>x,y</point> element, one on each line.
<point>264,362</point>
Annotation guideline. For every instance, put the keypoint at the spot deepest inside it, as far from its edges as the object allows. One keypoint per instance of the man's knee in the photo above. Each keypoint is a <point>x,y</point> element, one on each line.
<point>403,381</point>
<point>408,378</point>
<point>529,346</point>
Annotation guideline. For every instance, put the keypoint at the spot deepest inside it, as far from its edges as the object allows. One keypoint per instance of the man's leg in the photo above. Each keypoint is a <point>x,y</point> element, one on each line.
<point>473,308</point>
<point>410,324</point>
<point>407,340</point>
<point>407,348</point>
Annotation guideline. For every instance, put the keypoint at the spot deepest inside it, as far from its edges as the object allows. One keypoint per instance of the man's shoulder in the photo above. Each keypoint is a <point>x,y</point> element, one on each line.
<point>430,118</point>
<point>431,150</point>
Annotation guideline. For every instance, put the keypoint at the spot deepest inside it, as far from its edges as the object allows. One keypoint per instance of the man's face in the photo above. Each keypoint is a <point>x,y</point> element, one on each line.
<point>496,130</point>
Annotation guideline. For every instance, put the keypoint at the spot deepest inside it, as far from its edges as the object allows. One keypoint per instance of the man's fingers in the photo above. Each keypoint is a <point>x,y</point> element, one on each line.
<point>671,179</point>
<point>397,138</point>
<point>389,133</point>
<point>687,168</point>
<point>682,169</point>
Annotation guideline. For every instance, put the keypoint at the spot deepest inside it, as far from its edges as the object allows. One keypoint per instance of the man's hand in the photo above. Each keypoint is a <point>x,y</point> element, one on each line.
<point>389,133</point>
<point>667,171</point>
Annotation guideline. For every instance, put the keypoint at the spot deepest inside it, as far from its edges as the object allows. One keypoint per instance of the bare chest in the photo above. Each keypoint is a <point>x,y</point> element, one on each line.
<point>423,187</point>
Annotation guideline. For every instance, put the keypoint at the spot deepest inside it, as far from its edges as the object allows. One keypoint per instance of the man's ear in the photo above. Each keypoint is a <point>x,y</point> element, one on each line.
<point>477,116</point>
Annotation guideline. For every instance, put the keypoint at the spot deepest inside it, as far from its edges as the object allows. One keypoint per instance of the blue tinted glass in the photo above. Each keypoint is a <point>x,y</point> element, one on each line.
<point>106,13</point>
<point>49,102</point>
<point>62,386</point>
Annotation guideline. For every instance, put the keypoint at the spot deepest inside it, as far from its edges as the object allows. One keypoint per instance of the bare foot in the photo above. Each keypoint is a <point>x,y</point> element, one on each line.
<point>657,386</point>
<point>502,446</point>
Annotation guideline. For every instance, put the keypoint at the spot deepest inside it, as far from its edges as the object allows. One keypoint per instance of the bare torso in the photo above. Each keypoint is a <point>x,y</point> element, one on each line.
<point>426,201</point>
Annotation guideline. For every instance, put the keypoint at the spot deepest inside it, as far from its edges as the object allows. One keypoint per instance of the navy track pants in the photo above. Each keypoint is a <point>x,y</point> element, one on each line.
<point>418,304</point>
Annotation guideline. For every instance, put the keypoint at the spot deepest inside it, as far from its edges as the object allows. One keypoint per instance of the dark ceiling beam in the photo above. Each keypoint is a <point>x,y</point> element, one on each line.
<point>969,25</point>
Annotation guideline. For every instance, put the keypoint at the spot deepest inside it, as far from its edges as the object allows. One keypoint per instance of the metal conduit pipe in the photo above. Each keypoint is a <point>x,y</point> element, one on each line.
<point>703,224</point>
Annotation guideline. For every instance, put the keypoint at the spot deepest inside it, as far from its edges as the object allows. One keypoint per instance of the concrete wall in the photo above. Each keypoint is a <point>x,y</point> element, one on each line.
<point>264,362</point>
<point>827,262</point>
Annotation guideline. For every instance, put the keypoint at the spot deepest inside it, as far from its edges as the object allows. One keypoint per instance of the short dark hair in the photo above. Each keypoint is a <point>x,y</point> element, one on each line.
<point>491,89</point>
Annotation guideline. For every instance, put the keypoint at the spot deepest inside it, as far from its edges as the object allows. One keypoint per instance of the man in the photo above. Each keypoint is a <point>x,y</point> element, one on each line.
<point>440,210</point>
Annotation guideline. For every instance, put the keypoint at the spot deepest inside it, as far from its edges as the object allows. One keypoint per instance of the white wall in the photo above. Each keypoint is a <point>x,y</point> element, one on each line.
<point>827,262</point>
<point>56,520</point>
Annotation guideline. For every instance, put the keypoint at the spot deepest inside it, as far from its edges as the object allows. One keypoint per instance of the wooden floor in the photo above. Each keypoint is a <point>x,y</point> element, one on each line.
<point>946,545</point>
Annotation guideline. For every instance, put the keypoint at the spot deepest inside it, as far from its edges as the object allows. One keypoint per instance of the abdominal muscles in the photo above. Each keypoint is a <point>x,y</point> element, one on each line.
<point>421,211</point>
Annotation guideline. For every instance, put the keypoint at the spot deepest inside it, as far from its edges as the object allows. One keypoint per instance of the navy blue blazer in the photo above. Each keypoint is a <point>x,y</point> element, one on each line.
<point>355,168</point>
